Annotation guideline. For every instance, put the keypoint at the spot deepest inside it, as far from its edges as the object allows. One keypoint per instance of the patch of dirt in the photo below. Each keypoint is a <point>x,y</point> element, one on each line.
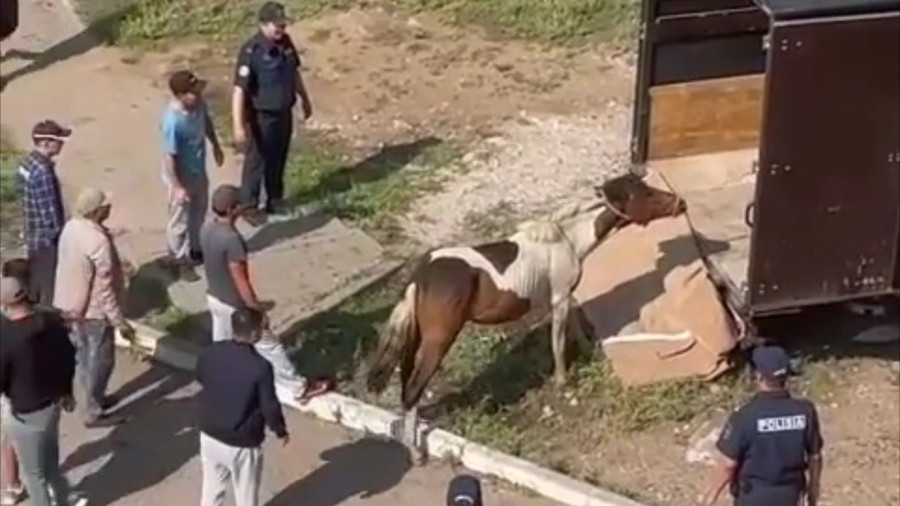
<point>534,164</point>
<point>542,123</point>
<point>860,427</point>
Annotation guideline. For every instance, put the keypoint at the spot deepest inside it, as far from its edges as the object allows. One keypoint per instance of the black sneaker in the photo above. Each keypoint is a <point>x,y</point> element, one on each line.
<point>254,217</point>
<point>105,421</point>
<point>279,211</point>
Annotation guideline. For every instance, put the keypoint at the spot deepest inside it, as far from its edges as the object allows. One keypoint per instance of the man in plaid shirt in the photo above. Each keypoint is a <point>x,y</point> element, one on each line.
<point>42,207</point>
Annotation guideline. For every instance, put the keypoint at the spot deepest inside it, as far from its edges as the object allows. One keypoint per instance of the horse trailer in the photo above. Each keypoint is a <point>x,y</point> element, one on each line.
<point>779,123</point>
<point>9,18</point>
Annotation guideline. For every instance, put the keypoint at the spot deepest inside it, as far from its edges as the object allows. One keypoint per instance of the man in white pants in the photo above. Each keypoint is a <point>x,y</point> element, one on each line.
<point>228,277</point>
<point>234,411</point>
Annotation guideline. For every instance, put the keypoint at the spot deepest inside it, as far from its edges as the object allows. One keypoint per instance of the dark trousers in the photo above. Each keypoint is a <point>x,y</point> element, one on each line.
<point>42,275</point>
<point>787,495</point>
<point>267,150</point>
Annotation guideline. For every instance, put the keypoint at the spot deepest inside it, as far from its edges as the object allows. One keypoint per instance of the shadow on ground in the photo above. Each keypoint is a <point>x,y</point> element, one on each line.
<point>824,333</point>
<point>156,441</point>
<point>336,343</point>
<point>274,232</point>
<point>97,33</point>
<point>363,468</point>
<point>147,300</point>
<point>386,161</point>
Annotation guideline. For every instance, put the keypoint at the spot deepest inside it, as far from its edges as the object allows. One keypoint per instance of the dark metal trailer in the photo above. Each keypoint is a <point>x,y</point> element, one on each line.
<point>9,17</point>
<point>779,120</point>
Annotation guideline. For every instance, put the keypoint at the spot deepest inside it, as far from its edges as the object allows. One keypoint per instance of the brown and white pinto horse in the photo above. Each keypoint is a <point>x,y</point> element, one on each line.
<point>537,268</point>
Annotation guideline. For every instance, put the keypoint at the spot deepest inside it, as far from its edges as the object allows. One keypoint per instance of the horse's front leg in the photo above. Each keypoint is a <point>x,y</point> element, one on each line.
<point>558,339</point>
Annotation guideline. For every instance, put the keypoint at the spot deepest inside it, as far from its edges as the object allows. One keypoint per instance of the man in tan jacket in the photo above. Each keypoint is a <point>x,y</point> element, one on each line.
<point>90,289</point>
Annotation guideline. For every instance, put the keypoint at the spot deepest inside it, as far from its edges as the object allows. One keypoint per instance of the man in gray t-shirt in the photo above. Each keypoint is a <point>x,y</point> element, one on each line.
<point>225,262</point>
<point>224,247</point>
<point>229,287</point>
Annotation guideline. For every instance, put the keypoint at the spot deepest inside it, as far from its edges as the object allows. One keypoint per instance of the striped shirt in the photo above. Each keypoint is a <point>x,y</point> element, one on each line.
<point>41,201</point>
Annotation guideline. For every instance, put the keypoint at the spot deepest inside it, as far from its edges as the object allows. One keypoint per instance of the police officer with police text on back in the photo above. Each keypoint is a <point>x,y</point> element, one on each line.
<point>771,447</point>
<point>266,85</point>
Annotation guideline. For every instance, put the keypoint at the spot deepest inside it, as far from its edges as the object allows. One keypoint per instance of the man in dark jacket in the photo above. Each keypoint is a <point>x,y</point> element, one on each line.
<point>464,490</point>
<point>37,365</point>
<point>237,403</point>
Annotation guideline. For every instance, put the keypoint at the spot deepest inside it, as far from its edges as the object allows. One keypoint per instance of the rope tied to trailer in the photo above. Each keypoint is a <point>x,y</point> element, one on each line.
<point>742,327</point>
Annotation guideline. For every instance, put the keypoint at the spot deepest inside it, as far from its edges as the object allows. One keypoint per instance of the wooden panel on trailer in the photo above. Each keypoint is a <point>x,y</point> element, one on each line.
<point>705,116</point>
<point>717,187</point>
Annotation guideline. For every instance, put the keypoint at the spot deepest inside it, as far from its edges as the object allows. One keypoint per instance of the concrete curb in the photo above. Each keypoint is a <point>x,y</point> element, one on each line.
<point>356,415</point>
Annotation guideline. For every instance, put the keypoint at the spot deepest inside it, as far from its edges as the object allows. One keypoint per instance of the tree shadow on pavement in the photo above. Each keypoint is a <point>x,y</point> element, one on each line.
<point>153,444</point>
<point>363,468</point>
<point>100,31</point>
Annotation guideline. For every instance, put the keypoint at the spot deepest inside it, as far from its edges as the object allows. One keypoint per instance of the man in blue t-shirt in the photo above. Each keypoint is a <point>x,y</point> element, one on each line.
<point>186,125</point>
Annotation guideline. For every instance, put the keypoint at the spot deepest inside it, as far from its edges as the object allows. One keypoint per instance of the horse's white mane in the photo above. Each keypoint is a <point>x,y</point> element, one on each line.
<point>548,229</point>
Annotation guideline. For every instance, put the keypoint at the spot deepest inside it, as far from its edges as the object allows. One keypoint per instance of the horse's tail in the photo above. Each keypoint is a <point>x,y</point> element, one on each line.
<point>401,329</point>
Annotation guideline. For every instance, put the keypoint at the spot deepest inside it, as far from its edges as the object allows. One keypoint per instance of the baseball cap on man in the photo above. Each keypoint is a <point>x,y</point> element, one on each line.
<point>184,81</point>
<point>50,130</point>
<point>89,200</point>
<point>464,490</point>
<point>11,291</point>
<point>273,12</point>
<point>771,361</point>
<point>225,198</point>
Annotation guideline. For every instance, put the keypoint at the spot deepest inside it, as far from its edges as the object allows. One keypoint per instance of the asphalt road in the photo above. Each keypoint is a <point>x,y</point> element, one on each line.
<point>152,459</point>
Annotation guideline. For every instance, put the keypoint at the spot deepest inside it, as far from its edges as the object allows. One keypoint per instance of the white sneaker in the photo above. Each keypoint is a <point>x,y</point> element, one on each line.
<point>11,496</point>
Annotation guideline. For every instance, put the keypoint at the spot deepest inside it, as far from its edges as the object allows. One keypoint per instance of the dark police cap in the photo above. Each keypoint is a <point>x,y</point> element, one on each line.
<point>273,12</point>
<point>464,490</point>
<point>771,361</point>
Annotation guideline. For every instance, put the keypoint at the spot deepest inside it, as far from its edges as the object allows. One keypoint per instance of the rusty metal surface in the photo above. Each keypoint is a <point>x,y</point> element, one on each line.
<point>828,190</point>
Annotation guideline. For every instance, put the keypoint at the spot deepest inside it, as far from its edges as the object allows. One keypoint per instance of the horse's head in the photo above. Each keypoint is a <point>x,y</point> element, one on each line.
<point>634,201</point>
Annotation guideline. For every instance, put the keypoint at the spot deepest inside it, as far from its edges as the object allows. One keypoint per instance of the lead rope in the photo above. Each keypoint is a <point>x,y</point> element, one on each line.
<point>742,328</point>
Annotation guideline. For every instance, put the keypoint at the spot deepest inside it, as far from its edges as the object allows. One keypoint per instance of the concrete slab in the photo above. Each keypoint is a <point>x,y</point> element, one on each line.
<point>300,265</point>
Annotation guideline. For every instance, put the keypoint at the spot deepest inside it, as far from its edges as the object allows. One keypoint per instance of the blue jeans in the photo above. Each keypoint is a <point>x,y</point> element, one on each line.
<point>94,341</point>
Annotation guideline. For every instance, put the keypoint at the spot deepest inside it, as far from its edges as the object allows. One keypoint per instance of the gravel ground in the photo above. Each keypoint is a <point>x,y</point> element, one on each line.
<point>533,165</point>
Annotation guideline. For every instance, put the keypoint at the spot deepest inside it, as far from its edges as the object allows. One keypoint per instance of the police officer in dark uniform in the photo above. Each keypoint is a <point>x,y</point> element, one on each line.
<point>771,447</point>
<point>266,85</point>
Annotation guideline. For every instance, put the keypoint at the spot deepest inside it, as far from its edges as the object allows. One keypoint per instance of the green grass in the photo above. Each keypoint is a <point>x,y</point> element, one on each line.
<point>494,385</point>
<point>373,191</point>
<point>143,22</point>
<point>9,188</point>
<point>553,20</point>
